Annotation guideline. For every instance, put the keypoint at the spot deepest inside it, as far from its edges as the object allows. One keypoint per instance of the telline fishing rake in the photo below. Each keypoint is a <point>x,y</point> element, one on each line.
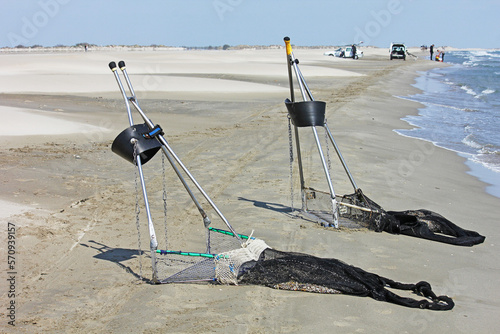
<point>232,258</point>
<point>311,113</point>
<point>138,144</point>
<point>354,209</point>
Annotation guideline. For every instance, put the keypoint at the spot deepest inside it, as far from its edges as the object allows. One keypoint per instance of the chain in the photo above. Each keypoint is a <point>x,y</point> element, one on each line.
<point>327,147</point>
<point>290,143</point>
<point>328,151</point>
<point>137,211</point>
<point>164,199</point>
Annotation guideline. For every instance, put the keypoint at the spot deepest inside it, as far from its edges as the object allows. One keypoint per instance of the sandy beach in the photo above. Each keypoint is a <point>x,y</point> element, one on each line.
<point>72,200</point>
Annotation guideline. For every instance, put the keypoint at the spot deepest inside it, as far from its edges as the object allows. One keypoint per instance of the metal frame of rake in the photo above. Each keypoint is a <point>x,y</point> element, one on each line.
<point>138,144</point>
<point>311,113</point>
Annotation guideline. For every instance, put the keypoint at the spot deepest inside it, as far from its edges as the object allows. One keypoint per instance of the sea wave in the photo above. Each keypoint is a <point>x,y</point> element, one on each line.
<point>490,149</point>
<point>489,161</point>
<point>451,107</point>
<point>470,63</point>
<point>468,90</point>
<point>485,92</point>
<point>427,103</point>
<point>479,58</point>
<point>488,91</point>
<point>472,92</point>
<point>470,141</point>
<point>480,53</point>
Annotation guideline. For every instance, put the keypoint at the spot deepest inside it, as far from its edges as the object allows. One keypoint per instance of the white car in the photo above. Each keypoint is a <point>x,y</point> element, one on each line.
<point>344,53</point>
<point>348,53</point>
<point>337,53</point>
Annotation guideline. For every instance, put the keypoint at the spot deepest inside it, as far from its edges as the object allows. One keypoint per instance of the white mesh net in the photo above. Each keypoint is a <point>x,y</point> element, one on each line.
<point>227,264</point>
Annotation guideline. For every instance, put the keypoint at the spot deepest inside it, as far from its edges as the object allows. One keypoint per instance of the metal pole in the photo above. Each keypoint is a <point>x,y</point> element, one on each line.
<point>162,141</point>
<point>153,243</point>
<point>289,63</point>
<point>123,68</point>
<point>301,171</point>
<point>168,149</point>
<point>301,83</point>
<point>113,68</point>
<point>341,158</point>
<point>301,78</point>
<point>328,180</point>
<point>206,219</point>
<point>292,62</point>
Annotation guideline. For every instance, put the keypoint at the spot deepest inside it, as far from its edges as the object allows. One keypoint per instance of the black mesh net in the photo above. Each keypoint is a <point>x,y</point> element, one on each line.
<point>257,264</point>
<point>301,272</point>
<point>417,223</point>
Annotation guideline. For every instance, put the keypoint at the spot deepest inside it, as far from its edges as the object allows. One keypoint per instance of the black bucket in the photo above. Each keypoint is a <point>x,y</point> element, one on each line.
<point>306,113</point>
<point>146,147</point>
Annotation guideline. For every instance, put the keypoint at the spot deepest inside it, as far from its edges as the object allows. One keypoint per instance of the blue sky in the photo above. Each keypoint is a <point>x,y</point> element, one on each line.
<point>458,23</point>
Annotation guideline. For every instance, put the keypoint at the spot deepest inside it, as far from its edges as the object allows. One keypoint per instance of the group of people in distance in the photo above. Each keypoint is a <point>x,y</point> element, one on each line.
<point>439,54</point>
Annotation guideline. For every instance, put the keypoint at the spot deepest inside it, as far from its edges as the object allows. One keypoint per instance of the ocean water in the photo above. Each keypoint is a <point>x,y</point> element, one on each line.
<point>462,111</point>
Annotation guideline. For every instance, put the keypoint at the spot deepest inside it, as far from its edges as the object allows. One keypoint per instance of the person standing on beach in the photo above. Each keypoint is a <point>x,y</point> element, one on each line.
<point>432,50</point>
<point>353,51</point>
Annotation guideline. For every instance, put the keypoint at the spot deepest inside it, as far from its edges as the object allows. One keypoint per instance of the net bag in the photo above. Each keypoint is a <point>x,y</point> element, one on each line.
<point>302,272</point>
<point>255,263</point>
<point>420,223</point>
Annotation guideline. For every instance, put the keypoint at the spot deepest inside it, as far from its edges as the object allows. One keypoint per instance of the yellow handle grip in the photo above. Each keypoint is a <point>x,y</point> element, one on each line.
<point>288,46</point>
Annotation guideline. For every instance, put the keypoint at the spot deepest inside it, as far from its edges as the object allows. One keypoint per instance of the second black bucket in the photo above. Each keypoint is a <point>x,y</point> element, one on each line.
<point>123,145</point>
<point>306,113</point>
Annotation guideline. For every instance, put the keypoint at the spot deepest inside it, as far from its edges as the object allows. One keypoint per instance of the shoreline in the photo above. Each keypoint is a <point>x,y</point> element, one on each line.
<point>84,221</point>
<point>483,173</point>
<point>476,169</point>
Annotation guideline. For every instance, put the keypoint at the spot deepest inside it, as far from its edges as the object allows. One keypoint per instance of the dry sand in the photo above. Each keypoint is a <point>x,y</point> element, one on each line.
<point>72,200</point>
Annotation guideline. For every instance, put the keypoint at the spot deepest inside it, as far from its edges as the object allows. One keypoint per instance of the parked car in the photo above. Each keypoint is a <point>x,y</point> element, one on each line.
<point>344,52</point>
<point>348,53</point>
<point>337,53</point>
<point>398,50</point>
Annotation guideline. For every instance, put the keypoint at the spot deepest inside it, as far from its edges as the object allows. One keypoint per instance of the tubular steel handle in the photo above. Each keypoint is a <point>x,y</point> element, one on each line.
<point>289,59</point>
<point>288,45</point>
